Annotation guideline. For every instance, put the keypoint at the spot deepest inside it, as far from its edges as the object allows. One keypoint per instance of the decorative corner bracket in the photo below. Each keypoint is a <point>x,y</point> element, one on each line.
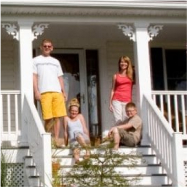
<point>39,29</point>
<point>127,31</point>
<point>11,29</point>
<point>153,31</point>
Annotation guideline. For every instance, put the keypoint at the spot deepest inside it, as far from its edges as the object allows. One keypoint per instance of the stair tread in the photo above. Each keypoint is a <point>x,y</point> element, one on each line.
<point>134,165</point>
<point>31,166</point>
<point>34,176</point>
<point>130,175</point>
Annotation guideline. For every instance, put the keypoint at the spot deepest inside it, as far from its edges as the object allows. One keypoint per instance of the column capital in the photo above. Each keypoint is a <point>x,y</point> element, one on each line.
<point>130,31</point>
<point>127,31</point>
<point>38,29</point>
<point>141,25</point>
<point>25,23</point>
<point>11,29</point>
<point>153,31</point>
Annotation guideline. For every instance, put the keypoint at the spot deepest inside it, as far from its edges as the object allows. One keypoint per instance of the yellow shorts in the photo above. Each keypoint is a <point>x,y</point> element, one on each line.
<point>53,105</point>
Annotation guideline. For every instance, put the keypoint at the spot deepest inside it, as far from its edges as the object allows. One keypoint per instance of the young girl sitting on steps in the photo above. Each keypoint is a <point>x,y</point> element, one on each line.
<point>75,130</point>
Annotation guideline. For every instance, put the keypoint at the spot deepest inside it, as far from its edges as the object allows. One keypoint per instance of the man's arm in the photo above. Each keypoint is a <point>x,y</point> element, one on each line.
<point>35,87</point>
<point>61,81</point>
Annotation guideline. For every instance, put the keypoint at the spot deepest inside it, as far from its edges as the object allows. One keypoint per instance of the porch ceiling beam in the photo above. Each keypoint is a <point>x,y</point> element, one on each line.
<point>93,20</point>
<point>102,3</point>
<point>91,11</point>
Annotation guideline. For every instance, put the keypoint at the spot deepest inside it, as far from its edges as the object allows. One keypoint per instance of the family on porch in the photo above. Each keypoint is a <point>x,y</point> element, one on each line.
<point>49,89</point>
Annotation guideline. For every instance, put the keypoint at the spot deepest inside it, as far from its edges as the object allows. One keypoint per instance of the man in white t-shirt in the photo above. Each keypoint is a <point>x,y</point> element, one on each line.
<point>49,86</point>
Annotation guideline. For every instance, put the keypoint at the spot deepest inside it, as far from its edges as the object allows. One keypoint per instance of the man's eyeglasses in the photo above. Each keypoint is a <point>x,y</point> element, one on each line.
<point>46,46</point>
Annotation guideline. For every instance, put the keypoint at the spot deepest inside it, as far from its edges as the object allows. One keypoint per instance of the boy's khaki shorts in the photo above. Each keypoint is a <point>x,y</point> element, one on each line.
<point>126,138</point>
<point>53,105</point>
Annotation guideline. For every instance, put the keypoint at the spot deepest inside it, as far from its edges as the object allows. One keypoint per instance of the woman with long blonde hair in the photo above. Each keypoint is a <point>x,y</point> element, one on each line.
<point>121,92</point>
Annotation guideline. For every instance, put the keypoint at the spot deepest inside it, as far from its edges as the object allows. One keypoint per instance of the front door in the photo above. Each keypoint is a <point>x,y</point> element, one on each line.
<point>74,68</point>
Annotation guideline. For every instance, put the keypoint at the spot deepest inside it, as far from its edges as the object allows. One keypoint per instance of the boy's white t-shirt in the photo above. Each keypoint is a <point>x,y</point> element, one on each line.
<point>48,70</point>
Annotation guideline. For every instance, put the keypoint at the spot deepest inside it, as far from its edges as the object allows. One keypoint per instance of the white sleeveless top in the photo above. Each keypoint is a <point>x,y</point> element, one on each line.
<point>74,127</point>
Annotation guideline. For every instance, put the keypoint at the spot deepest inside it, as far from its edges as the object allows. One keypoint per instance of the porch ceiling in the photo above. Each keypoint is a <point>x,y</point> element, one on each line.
<point>96,19</point>
<point>171,33</point>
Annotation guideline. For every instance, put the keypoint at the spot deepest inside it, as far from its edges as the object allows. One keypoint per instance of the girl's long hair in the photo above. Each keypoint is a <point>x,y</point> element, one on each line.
<point>129,69</point>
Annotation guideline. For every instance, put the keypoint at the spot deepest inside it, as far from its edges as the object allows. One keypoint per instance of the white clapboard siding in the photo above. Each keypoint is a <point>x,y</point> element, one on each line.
<point>9,65</point>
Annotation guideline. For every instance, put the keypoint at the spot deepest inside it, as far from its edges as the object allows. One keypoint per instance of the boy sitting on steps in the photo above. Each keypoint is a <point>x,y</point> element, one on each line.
<point>128,133</point>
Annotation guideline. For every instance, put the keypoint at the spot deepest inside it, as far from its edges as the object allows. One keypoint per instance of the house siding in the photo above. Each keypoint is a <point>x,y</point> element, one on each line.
<point>9,66</point>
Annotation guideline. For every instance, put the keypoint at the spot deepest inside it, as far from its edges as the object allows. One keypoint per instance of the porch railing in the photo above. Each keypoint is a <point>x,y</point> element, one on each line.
<point>166,143</point>
<point>39,141</point>
<point>10,116</point>
<point>173,104</point>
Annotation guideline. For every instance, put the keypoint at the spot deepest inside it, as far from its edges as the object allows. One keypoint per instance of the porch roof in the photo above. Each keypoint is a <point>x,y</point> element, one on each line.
<point>101,3</point>
<point>95,7</point>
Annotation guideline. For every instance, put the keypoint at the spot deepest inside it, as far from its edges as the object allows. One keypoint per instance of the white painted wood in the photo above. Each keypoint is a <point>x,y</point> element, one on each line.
<point>184,115</point>
<point>176,108</point>
<point>142,61</point>
<point>163,141</point>
<point>142,66</point>
<point>46,159</point>
<point>15,155</point>
<point>176,113</point>
<point>10,117</point>
<point>26,69</point>
<point>169,109</point>
<point>103,3</point>
<point>179,177</point>
<point>39,141</point>
<point>16,113</point>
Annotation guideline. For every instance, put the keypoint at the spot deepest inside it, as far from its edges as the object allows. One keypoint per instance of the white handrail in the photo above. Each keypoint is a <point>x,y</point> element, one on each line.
<point>166,143</point>
<point>39,141</point>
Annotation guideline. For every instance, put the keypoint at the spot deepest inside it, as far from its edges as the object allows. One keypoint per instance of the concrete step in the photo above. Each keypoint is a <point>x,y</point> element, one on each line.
<point>141,150</point>
<point>29,161</point>
<point>147,167</point>
<point>32,171</point>
<point>152,180</point>
<point>125,170</point>
<point>143,180</point>
<point>34,181</point>
<point>145,159</point>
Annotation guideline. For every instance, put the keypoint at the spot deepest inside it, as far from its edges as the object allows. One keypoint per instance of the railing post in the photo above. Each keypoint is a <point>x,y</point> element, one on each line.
<point>1,117</point>
<point>47,176</point>
<point>178,170</point>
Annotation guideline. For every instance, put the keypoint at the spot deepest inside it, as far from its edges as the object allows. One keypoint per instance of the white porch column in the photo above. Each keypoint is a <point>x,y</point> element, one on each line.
<point>142,68</point>
<point>26,70</point>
